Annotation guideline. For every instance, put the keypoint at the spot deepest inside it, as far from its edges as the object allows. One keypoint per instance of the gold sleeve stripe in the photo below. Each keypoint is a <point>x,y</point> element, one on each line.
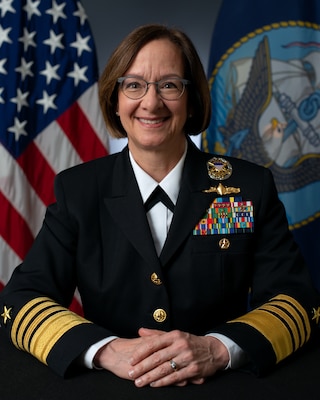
<point>37,323</point>
<point>51,331</point>
<point>283,322</point>
<point>290,324</point>
<point>40,324</point>
<point>299,314</point>
<point>29,323</point>
<point>302,316</point>
<point>25,316</point>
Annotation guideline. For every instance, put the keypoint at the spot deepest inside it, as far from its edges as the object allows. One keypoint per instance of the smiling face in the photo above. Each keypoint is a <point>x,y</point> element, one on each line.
<point>152,123</point>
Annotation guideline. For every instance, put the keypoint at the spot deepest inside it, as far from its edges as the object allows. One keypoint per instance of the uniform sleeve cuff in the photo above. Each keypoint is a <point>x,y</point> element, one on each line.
<point>87,356</point>
<point>237,356</point>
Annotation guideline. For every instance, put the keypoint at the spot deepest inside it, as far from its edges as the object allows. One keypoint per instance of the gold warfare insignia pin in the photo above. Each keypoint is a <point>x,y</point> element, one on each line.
<point>6,314</point>
<point>219,169</point>
<point>222,190</point>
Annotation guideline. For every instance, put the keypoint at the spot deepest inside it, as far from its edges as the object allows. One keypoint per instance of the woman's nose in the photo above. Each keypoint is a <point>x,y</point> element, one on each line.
<point>152,97</point>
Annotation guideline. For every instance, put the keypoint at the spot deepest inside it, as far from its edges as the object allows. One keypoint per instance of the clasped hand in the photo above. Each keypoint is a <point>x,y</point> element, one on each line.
<point>147,360</point>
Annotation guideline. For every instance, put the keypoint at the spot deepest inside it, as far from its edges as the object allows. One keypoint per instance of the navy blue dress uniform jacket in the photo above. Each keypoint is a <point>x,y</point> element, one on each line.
<point>96,237</point>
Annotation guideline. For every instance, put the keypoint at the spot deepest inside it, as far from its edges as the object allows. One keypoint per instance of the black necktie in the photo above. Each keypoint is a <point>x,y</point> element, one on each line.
<point>158,195</point>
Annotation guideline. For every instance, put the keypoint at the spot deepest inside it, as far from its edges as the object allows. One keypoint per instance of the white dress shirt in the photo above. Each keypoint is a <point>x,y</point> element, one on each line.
<point>159,218</point>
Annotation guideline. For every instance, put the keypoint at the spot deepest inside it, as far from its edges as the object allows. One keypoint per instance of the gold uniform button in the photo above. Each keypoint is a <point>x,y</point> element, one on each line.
<point>159,315</point>
<point>155,279</point>
<point>224,243</point>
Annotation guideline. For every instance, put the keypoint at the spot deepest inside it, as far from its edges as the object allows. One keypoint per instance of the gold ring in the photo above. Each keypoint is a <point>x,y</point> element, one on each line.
<point>173,365</point>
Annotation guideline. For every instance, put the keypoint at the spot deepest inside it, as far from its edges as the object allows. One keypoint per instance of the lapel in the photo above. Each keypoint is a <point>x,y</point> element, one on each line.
<point>124,203</point>
<point>123,200</point>
<point>192,202</point>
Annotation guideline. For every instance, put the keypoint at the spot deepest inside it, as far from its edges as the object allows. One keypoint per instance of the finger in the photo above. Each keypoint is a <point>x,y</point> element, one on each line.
<point>178,378</point>
<point>182,383</point>
<point>163,375</point>
<point>149,363</point>
<point>150,347</point>
<point>198,381</point>
<point>149,332</point>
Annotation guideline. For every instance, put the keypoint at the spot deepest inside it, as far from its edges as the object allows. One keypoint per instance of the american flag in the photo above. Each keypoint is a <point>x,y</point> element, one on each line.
<point>49,113</point>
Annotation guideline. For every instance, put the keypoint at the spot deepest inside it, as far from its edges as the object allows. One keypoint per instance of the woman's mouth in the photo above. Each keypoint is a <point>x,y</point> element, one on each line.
<point>152,121</point>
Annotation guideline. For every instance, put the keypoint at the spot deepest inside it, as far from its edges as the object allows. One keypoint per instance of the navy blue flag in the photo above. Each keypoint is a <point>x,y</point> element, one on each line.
<point>50,115</point>
<point>264,77</point>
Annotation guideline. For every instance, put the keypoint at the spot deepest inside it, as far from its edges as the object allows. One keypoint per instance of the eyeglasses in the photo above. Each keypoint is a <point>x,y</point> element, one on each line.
<point>168,89</point>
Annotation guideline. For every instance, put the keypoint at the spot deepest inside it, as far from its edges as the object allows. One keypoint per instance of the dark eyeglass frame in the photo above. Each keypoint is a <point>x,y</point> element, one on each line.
<point>184,82</point>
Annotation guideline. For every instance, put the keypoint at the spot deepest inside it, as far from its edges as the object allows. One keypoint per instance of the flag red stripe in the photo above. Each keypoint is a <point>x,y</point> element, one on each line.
<point>78,129</point>
<point>76,306</point>
<point>14,229</point>
<point>39,172</point>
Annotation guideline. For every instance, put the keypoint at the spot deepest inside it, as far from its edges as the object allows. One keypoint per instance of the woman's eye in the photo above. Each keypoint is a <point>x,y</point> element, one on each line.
<point>133,85</point>
<point>168,85</point>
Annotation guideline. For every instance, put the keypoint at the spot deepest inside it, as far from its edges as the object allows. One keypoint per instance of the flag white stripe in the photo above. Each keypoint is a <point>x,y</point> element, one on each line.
<point>22,196</point>
<point>9,260</point>
<point>57,148</point>
<point>89,104</point>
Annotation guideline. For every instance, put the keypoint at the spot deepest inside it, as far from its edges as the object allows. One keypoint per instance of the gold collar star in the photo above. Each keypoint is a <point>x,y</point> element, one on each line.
<point>6,314</point>
<point>316,314</point>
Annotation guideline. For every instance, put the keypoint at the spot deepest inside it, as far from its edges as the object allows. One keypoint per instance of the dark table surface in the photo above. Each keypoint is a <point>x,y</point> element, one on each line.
<point>24,378</point>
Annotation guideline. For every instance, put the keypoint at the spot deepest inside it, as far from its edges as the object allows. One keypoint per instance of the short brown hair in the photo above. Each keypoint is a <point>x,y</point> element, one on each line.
<point>124,55</point>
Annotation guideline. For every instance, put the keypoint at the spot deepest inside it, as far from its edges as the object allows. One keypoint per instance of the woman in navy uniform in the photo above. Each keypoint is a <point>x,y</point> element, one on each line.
<point>164,284</point>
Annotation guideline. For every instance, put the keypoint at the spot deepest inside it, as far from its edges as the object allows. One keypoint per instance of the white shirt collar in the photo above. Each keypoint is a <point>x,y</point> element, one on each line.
<point>170,183</point>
